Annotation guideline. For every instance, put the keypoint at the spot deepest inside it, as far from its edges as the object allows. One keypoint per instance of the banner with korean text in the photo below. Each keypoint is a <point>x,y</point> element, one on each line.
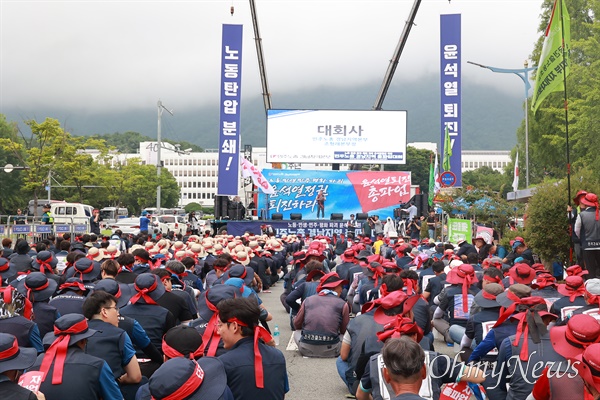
<point>459,229</point>
<point>229,126</point>
<point>346,192</point>
<point>450,87</point>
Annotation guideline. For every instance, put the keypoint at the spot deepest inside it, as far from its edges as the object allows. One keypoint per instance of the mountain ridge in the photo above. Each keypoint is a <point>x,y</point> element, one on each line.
<point>490,117</point>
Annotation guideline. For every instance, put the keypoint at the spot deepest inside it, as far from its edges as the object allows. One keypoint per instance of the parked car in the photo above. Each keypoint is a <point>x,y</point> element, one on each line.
<point>172,224</point>
<point>126,225</point>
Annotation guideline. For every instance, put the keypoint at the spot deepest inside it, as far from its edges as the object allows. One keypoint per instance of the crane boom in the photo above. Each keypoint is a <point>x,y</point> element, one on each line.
<point>261,59</point>
<point>389,74</point>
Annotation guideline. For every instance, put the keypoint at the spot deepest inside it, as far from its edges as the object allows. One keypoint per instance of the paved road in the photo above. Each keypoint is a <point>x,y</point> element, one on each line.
<point>310,378</point>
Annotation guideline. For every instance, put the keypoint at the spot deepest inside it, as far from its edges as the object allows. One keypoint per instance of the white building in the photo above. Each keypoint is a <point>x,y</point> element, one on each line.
<point>197,173</point>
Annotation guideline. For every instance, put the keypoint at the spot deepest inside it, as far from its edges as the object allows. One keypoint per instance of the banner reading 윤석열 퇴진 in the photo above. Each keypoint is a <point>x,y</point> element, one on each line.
<point>346,192</point>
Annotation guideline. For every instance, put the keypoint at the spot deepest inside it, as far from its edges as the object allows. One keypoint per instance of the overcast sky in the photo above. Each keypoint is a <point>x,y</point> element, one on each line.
<point>118,55</point>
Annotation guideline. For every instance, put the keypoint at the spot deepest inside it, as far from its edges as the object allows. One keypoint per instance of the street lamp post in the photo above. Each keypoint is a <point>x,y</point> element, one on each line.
<point>522,73</point>
<point>159,145</point>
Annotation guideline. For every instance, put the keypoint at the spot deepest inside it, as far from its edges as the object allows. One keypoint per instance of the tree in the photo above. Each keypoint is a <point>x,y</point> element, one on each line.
<point>487,179</point>
<point>10,195</point>
<point>417,162</point>
<point>129,142</point>
<point>41,153</point>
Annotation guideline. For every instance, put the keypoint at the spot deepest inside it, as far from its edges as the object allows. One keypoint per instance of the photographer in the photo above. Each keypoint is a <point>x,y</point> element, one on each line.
<point>414,228</point>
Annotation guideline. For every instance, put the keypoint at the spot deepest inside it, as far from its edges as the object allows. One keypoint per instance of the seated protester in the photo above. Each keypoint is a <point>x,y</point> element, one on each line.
<point>111,343</point>
<point>68,369</point>
<point>255,369</point>
<point>450,318</point>
<point>588,373</point>
<point>349,265</point>
<point>531,345</point>
<point>577,270</point>
<point>421,308</point>
<point>434,284</point>
<point>219,267</point>
<point>177,305</point>
<point>246,291</point>
<point>592,298</point>
<point>425,270</point>
<point>263,265</point>
<point>180,378</point>
<point>85,269</point>
<point>488,275</point>
<point>45,262</point>
<point>520,273</point>
<point>125,274</point>
<point>401,339</point>
<point>464,248</point>
<point>179,287</point>
<point>368,286</point>
<point>569,341</point>
<point>364,326</point>
<point>38,289</point>
<point>206,324</point>
<point>191,279</point>
<point>185,342</point>
<point>136,333</point>
<point>14,359</point>
<point>322,320</point>
<point>155,320</point>
<point>20,260</point>
<point>141,262</point>
<point>111,252</point>
<point>402,258</point>
<point>544,286</point>
<point>572,291</point>
<point>510,301</point>
<point>70,298</point>
<point>519,250</point>
<point>473,259</point>
<point>8,272</point>
<point>303,291</point>
<point>16,313</point>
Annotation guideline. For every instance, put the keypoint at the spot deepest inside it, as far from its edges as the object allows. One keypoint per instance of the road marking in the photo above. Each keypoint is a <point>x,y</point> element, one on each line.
<point>291,346</point>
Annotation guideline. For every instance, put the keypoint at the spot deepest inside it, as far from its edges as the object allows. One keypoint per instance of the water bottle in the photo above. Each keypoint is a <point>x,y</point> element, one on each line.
<point>276,335</point>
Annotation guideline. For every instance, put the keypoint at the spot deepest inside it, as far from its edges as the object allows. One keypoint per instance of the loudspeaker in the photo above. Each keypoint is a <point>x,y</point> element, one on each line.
<point>277,216</point>
<point>221,203</point>
<point>337,216</point>
<point>362,216</point>
<point>295,216</point>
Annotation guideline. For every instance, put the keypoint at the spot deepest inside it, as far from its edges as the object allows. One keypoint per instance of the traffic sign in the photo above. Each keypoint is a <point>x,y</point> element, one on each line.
<point>448,178</point>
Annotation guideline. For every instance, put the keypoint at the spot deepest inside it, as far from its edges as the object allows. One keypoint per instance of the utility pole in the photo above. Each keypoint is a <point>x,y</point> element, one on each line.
<point>158,160</point>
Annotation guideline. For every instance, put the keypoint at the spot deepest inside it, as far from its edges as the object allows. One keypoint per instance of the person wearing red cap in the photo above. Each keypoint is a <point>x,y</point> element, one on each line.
<point>13,361</point>
<point>255,368</point>
<point>587,229</point>
<point>572,292</point>
<point>68,371</point>
<point>455,303</point>
<point>545,286</point>
<point>572,214</point>
<point>589,369</point>
<point>322,320</point>
<point>530,346</point>
<point>591,296</point>
<point>560,381</point>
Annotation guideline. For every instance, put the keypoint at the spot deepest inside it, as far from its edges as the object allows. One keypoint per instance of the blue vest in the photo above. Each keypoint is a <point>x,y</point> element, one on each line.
<point>19,327</point>
<point>108,344</point>
<point>152,318</point>
<point>68,303</point>
<point>44,316</point>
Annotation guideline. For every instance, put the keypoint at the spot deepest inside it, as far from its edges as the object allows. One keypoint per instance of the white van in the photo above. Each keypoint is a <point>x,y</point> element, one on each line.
<point>66,213</point>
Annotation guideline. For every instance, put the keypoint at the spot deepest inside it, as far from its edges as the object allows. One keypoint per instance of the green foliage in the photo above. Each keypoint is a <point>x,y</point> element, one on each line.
<point>417,162</point>
<point>193,206</point>
<point>488,179</point>
<point>129,142</point>
<point>10,195</point>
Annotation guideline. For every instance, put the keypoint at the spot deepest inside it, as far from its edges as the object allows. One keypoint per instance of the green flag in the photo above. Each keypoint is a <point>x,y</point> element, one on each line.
<point>431,183</point>
<point>551,68</point>
<point>447,151</point>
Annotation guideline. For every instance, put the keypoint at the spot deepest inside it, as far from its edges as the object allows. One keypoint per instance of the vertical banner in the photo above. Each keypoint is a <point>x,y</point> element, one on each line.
<point>450,86</point>
<point>229,127</point>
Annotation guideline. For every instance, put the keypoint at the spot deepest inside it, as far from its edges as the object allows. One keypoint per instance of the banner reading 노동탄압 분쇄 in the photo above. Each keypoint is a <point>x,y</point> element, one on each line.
<point>346,192</point>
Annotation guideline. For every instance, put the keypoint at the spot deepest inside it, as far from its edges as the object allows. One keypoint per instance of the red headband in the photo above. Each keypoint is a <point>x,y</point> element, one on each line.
<point>259,333</point>
<point>45,264</point>
<point>487,295</point>
<point>493,279</point>
<point>526,319</point>
<point>5,267</point>
<point>11,351</point>
<point>189,386</point>
<point>143,293</point>
<point>85,271</point>
<point>36,289</point>
<point>411,286</point>
<point>210,332</point>
<point>173,353</point>
<point>510,310</point>
<point>72,284</point>
<point>398,327</point>
<point>378,272</point>
<point>58,351</point>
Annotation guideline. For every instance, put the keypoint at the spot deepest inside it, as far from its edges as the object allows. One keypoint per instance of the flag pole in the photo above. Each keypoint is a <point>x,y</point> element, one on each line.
<point>562,32</point>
